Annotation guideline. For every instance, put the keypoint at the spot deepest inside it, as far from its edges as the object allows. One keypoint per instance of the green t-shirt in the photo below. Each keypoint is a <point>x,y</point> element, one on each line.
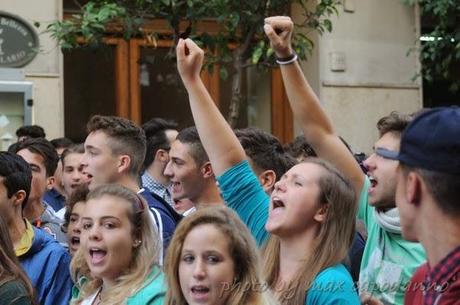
<point>153,292</point>
<point>388,260</point>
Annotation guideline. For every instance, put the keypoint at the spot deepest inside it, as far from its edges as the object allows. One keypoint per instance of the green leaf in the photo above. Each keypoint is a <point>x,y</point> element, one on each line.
<point>328,25</point>
<point>256,54</point>
<point>270,52</point>
<point>234,19</point>
<point>238,19</point>
<point>223,73</point>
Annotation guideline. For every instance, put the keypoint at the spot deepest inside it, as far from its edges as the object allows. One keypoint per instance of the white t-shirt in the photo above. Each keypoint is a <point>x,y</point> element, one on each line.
<point>90,300</point>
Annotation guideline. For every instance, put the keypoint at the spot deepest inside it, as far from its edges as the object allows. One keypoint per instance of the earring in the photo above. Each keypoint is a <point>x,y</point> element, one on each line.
<point>137,242</point>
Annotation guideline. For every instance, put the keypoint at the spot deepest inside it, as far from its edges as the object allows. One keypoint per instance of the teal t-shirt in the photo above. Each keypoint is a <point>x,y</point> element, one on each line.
<point>242,192</point>
<point>388,261</point>
<point>333,285</point>
<point>153,292</point>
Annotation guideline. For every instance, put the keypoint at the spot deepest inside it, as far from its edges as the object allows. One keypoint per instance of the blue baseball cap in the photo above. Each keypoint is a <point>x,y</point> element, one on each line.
<point>431,141</point>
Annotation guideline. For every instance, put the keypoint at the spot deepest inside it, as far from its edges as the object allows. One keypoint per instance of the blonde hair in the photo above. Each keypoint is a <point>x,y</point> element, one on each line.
<point>145,256</point>
<point>332,242</point>
<point>248,287</point>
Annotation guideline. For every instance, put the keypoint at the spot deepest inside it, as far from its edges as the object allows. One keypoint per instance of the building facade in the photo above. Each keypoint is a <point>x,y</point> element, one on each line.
<point>361,71</point>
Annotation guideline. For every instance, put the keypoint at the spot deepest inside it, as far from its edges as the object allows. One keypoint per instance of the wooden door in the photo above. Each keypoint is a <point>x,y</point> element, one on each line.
<point>133,79</point>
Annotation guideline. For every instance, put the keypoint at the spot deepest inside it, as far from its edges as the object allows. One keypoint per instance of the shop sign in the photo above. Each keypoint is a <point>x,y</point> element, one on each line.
<point>18,41</point>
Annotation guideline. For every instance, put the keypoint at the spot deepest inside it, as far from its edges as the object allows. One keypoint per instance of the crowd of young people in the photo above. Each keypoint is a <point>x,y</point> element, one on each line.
<point>211,215</point>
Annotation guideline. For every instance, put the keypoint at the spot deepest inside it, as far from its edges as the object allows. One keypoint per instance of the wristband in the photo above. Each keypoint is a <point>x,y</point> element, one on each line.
<point>287,60</point>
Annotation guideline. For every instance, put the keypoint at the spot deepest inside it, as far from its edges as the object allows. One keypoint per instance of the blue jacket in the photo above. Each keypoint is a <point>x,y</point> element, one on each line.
<point>54,199</point>
<point>168,218</point>
<point>47,265</point>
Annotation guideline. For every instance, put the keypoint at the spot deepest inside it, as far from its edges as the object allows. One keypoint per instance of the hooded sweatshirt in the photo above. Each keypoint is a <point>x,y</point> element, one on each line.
<point>46,263</point>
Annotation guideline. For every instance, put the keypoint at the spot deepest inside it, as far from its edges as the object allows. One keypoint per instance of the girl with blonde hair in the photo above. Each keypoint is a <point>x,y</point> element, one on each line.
<point>213,259</point>
<point>117,261</point>
<point>308,220</point>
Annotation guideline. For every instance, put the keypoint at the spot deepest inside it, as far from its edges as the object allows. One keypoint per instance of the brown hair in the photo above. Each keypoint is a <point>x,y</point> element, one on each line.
<point>196,150</point>
<point>79,195</point>
<point>72,149</point>
<point>242,249</point>
<point>41,147</point>
<point>125,138</point>
<point>145,257</point>
<point>443,187</point>
<point>265,151</point>
<point>395,123</point>
<point>332,242</point>
<point>10,269</point>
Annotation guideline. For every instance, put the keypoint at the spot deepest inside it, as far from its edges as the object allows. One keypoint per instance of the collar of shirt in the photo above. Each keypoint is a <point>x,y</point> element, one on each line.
<point>441,276</point>
<point>26,240</point>
<point>55,193</point>
<point>48,215</point>
<point>155,187</point>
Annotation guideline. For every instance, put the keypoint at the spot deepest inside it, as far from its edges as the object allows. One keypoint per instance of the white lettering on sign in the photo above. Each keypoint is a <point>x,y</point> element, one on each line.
<point>12,57</point>
<point>14,25</point>
<point>18,41</point>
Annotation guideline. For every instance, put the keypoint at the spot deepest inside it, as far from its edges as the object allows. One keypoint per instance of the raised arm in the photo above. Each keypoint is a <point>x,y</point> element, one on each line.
<point>305,105</point>
<point>222,146</point>
<point>238,184</point>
